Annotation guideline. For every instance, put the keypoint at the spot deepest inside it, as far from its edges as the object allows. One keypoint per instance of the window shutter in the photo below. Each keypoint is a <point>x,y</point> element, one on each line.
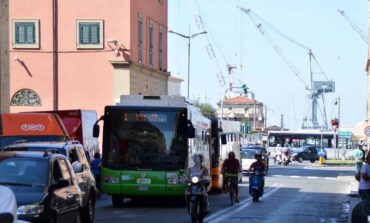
<point>94,28</point>
<point>21,34</point>
<point>30,33</point>
<point>84,34</point>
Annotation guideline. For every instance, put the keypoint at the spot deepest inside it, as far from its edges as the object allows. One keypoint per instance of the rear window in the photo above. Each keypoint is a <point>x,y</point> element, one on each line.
<point>248,154</point>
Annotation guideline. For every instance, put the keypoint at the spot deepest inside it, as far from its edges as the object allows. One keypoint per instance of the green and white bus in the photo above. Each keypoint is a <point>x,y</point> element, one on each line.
<point>148,142</point>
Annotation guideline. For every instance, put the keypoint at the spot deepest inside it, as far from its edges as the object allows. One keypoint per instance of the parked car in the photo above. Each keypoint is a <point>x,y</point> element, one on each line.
<point>247,157</point>
<point>259,148</point>
<point>305,153</point>
<point>44,184</point>
<point>81,166</point>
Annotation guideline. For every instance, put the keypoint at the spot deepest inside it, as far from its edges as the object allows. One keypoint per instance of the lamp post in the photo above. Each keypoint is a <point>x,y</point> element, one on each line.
<point>188,37</point>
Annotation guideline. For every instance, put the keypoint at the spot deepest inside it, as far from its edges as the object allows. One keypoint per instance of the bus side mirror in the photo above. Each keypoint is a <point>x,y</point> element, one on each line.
<point>191,130</point>
<point>223,139</point>
<point>96,130</point>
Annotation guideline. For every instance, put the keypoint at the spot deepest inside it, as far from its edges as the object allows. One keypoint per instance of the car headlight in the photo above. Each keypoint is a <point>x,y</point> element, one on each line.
<point>30,209</point>
<point>111,180</point>
<point>194,180</point>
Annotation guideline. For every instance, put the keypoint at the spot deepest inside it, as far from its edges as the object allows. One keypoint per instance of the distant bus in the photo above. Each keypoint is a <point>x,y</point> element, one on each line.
<point>299,138</point>
<point>148,142</point>
<point>226,138</point>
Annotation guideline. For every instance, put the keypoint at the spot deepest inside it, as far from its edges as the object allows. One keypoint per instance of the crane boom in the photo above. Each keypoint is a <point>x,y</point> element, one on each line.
<point>354,26</point>
<point>210,52</point>
<point>276,47</point>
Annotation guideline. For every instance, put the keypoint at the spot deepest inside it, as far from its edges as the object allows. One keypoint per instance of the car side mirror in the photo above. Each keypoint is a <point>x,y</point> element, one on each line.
<point>190,130</point>
<point>96,130</point>
<point>77,167</point>
<point>6,217</point>
<point>223,139</point>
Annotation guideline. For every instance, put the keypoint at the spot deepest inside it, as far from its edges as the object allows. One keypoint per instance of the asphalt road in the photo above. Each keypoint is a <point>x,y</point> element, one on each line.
<point>296,193</point>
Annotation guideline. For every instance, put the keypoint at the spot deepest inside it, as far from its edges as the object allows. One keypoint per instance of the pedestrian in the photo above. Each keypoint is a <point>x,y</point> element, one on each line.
<point>358,155</point>
<point>96,167</point>
<point>364,185</point>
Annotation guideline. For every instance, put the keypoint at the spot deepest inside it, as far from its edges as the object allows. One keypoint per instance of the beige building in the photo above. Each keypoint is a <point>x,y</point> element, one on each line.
<point>244,109</point>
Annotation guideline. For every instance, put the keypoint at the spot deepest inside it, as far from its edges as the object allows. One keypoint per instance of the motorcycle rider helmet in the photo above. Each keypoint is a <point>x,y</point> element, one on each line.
<point>231,155</point>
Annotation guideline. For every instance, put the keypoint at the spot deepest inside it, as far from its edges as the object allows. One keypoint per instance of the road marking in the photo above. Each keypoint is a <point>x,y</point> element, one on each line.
<point>222,215</point>
<point>330,178</point>
<point>294,176</point>
<point>309,177</point>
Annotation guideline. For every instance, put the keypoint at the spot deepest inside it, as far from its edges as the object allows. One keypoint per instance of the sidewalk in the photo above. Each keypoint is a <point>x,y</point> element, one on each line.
<point>353,195</point>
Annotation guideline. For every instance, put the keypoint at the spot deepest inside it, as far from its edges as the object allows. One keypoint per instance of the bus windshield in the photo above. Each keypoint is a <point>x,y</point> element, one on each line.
<point>142,139</point>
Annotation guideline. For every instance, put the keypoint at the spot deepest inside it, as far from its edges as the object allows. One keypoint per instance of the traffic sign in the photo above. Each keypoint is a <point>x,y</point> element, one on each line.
<point>367,130</point>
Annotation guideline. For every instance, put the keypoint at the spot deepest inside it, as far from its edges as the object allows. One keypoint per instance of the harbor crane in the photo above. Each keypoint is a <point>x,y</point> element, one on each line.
<point>363,36</point>
<point>316,88</point>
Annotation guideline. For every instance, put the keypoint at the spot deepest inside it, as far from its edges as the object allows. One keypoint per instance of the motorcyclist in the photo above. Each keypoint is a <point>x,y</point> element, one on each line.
<point>278,153</point>
<point>261,166</point>
<point>199,170</point>
<point>230,169</point>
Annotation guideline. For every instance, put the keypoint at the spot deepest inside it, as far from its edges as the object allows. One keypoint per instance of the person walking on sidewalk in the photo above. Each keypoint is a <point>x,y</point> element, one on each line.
<point>359,155</point>
<point>364,185</point>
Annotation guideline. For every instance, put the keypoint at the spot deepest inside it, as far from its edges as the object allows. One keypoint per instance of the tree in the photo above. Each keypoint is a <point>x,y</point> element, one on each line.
<point>206,109</point>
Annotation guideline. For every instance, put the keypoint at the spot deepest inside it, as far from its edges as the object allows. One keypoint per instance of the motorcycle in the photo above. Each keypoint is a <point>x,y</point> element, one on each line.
<point>286,159</point>
<point>256,187</point>
<point>197,199</point>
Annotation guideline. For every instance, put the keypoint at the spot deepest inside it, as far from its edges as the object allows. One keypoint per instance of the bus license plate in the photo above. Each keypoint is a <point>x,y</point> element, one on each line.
<point>144,188</point>
<point>143,181</point>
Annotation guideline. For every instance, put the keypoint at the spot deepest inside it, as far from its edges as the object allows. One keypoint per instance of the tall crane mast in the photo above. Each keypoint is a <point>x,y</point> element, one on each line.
<point>316,89</point>
<point>354,26</point>
<point>276,47</point>
<point>207,43</point>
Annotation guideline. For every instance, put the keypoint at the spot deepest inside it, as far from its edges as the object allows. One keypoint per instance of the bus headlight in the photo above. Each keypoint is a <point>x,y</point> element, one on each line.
<point>110,180</point>
<point>30,209</point>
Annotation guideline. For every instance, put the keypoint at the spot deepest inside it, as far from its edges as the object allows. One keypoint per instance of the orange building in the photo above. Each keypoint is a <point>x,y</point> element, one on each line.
<point>67,54</point>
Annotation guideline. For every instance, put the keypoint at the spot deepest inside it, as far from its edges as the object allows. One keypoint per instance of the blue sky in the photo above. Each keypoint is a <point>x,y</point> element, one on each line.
<point>340,51</point>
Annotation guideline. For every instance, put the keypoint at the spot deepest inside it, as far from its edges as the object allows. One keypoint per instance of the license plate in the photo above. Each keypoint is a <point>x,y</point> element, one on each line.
<point>143,188</point>
<point>143,181</point>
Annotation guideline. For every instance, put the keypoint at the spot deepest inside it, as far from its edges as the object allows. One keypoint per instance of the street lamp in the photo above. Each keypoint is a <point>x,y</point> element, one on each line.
<point>188,37</point>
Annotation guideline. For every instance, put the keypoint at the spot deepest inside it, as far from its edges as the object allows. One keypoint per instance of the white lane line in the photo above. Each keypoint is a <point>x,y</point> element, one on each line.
<point>309,177</point>
<point>222,215</point>
<point>330,178</point>
<point>294,176</point>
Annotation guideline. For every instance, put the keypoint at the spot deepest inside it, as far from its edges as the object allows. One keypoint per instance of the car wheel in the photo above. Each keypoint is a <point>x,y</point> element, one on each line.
<point>312,161</point>
<point>88,212</point>
<point>300,159</point>
<point>117,200</point>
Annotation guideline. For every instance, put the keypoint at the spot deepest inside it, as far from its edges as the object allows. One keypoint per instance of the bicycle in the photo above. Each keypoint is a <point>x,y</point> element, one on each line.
<point>231,183</point>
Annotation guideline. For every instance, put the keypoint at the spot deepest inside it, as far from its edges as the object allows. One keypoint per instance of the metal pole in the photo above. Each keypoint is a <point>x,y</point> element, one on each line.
<point>189,61</point>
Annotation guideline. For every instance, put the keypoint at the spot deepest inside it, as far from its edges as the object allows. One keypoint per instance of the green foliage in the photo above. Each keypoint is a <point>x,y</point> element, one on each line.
<point>206,109</point>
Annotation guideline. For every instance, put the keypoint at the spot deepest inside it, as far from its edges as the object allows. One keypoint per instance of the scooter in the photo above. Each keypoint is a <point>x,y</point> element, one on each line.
<point>286,159</point>
<point>256,187</point>
<point>197,199</point>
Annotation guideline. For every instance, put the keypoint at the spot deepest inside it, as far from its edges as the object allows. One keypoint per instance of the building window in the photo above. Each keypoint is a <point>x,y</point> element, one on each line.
<point>26,34</point>
<point>160,49</point>
<point>140,40</point>
<point>151,45</point>
<point>90,34</point>
<point>25,97</point>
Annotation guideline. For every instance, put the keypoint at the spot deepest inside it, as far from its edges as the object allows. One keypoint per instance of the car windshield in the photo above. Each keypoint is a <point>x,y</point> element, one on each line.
<point>248,154</point>
<point>18,171</point>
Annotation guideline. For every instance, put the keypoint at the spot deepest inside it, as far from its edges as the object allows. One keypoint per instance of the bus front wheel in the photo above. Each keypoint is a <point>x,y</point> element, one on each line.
<point>117,200</point>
